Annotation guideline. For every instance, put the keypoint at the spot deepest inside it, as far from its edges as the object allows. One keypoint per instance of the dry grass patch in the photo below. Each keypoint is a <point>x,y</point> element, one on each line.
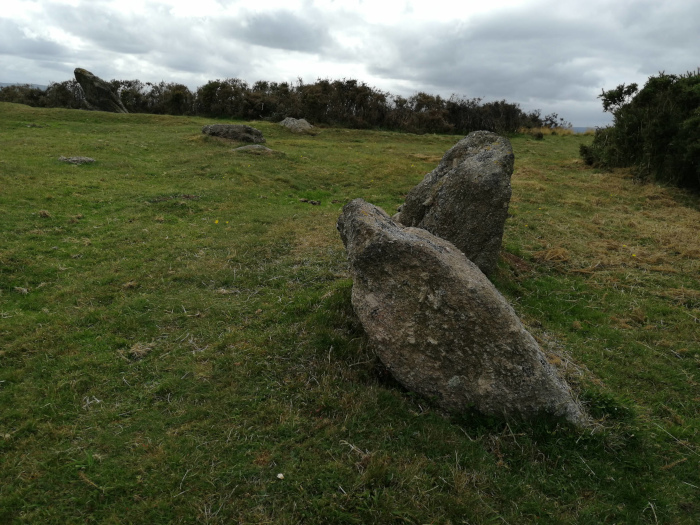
<point>425,158</point>
<point>140,350</point>
<point>559,255</point>
<point>549,131</point>
<point>653,230</point>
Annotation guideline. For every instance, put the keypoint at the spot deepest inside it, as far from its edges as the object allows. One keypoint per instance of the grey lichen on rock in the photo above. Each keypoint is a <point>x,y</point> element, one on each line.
<point>98,93</point>
<point>439,325</point>
<point>465,199</point>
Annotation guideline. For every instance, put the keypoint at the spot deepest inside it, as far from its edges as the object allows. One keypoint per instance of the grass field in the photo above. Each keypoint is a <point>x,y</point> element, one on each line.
<point>177,343</point>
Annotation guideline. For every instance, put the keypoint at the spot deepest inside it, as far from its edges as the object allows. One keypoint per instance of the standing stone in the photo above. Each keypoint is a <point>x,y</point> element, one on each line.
<point>98,93</point>
<point>239,132</point>
<point>465,199</point>
<point>439,325</point>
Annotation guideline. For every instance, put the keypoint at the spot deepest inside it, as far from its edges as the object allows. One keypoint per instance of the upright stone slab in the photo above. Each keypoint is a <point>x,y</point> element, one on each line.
<point>465,199</point>
<point>439,325</point>
<point>98,93</point>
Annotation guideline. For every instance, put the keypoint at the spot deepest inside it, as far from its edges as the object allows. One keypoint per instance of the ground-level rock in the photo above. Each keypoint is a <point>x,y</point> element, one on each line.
<point>297,125</point>
<point>239,132</point>
<point>440,326</point>
<point>465,199</point>
<point>257,149</point>
<point>98,93</point>
<point>76,160</point>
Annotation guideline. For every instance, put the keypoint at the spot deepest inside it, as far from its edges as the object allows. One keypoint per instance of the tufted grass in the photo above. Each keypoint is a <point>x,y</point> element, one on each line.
<point>177,343</point>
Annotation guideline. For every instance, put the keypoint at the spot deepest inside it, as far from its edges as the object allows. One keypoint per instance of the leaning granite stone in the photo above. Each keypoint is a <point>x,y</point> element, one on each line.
<point>439,325</point>
<point>298,125</point>
<point>76,160</point>
<point>465,199</point>
<point>98,93</point>
<point>239,132</point>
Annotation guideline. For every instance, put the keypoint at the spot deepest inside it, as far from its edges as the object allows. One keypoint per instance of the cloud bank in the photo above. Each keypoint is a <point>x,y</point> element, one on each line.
<point>546,54</point>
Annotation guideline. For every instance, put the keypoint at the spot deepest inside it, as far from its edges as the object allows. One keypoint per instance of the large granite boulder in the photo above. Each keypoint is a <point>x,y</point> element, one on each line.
<point>239,132</point>
<point>465,199</point>
<point>439,325</point>
<point>298,125</point>
<point>98,93</point>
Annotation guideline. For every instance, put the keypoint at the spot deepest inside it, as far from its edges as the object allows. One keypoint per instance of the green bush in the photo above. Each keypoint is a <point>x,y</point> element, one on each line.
<point>656,130</point>
<point>23,94</point>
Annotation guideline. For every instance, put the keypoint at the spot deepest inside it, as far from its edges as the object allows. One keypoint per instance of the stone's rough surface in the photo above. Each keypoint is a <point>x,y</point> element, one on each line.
<point>76,160</point>
<point>237,132</point>
<point>465,199</point>
<point>98,93</point>
<point>439,325</point>
<point>297,125</point>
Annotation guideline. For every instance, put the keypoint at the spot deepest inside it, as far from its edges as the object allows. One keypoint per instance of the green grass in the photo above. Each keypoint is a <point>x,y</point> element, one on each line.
<point>176,331</point>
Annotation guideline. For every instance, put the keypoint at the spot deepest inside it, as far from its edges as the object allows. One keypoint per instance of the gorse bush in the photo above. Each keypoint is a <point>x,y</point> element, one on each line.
<point>656,130</point>
<point>346,103</point>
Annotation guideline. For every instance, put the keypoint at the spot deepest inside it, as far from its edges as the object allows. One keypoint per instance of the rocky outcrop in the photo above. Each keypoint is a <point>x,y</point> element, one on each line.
<point>98,93</point>
<point>439,325</point>
<point>465,199</point>
<point>237,132</point>
<point>298,125</point>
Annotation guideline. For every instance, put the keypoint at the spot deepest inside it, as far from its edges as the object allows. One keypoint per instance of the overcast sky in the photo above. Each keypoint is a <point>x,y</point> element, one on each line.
<point>553,55</point>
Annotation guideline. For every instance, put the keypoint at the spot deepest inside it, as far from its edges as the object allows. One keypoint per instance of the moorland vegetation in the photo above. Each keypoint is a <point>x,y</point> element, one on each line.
<point>177,343</point>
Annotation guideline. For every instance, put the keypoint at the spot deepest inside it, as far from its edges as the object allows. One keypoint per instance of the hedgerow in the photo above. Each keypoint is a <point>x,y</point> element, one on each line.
<point>655,130</point>
<point>345,103</point>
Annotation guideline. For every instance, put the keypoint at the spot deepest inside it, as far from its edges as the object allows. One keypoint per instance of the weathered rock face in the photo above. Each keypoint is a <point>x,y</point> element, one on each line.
<point>98,93</point>
<point>237,132</point>
<point>465,199</point>
<point>439,325</point>
<point>297,125</point>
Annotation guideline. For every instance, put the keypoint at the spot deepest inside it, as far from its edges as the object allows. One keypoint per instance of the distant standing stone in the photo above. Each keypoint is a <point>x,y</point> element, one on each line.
<point>465,199</point>
<point>239,132</point>
<point>98,93</point>
<point>439,325</point>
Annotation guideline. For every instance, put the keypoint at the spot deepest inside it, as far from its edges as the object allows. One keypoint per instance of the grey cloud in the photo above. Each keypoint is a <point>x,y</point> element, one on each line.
<point>491,59</point>
<point>537,57</point>
<point>13,41</point>
<point>550,55</point>
<point>278,30</point>
<point>109,30</point>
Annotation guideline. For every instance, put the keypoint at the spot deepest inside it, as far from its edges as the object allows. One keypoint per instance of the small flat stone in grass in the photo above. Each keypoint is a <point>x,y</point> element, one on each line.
<point>76,160</point>
<point>257,149</point>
